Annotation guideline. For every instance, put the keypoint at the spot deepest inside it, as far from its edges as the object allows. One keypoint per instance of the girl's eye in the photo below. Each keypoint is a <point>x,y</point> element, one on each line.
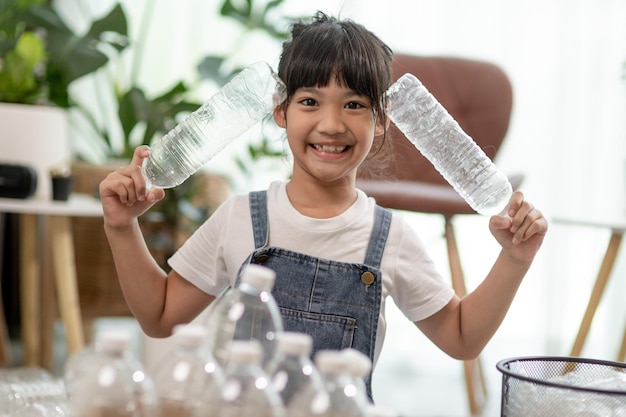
<point>308,102</point>
<point>354,105</point>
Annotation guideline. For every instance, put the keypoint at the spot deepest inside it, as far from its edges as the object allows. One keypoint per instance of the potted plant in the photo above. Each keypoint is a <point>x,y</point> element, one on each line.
<point>62,180</point>
<point>40,58</point>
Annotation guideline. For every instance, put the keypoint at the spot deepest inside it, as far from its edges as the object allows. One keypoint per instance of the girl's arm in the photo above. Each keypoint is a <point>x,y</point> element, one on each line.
<point>158,300</point>
<point>465,325</point>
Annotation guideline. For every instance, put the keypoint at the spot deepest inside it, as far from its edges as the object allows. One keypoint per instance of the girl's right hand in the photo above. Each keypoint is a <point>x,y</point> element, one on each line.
<point>124,194</point>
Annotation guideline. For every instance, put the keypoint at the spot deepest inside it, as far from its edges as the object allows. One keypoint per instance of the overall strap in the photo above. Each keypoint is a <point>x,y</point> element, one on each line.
<point>378,239</point>
<point>258,212</point>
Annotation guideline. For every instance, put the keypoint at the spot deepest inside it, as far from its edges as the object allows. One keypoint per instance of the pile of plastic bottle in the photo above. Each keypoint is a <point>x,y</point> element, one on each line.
<point>240,363</point>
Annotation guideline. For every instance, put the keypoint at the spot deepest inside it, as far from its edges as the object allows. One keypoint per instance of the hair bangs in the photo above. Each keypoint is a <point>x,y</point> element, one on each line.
<point>342,49</point>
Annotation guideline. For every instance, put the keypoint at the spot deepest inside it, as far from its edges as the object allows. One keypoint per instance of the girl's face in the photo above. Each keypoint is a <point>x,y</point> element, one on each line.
<point>330,131</point>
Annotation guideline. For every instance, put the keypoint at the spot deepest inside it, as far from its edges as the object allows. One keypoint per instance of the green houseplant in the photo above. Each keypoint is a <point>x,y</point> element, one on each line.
<point>40,55</point>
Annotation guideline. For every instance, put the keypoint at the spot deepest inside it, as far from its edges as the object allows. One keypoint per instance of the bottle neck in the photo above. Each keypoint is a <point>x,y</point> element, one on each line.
<point>249,289</point>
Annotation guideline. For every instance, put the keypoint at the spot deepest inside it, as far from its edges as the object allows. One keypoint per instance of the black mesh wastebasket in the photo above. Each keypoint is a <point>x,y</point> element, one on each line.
<point>562,386</point>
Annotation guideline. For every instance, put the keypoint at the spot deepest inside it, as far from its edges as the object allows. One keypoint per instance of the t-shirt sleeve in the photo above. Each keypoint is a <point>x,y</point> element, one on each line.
<point>201,259</point>
<point>418,289</point>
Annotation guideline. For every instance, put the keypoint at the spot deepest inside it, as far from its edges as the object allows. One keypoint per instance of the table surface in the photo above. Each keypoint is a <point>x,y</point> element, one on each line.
<point>78,205</point>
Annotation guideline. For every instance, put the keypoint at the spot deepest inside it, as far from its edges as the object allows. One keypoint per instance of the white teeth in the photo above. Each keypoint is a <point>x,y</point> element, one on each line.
<point>330,148</point>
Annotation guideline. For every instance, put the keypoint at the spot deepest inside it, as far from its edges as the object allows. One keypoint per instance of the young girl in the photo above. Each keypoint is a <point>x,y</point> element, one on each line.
<point>337,255</point>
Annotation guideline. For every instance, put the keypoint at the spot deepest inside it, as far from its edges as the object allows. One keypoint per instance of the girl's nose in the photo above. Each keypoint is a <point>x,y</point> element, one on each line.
<point>331,122</point>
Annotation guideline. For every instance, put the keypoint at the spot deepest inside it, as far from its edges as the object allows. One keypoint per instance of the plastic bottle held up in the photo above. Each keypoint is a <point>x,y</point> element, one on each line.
<point>236,107</point>
<point>294,375</point>
<point>433,131</point>
<point>106,381</point>
<point>186,372</point>
<point>246,312</point>
<point>247,391</point>
<point>343,396</point>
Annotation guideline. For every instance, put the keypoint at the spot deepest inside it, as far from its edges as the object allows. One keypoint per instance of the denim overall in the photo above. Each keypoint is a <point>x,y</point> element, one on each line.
<point>335,302</point>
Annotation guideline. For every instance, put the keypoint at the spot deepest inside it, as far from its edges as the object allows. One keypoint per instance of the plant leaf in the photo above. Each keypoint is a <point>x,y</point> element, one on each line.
<point>72,56</point>
<point>209,68</point>
<point>18,74</point>
<point>114,22</point>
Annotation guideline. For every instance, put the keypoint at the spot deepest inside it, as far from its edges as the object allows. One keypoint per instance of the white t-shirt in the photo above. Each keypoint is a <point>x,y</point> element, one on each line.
<point>212,256</point>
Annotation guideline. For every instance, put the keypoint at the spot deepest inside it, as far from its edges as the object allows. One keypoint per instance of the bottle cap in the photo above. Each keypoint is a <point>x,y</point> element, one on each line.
<point>190,335</point>
<point>359,365</point>
<point>113,340</point>
<point>294,343</point>
<point>259,277</point>
<point>245,351</point>
<point>330,361</point>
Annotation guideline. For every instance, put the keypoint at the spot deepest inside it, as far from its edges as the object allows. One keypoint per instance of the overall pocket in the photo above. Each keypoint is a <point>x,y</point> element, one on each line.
<point>328,331</point>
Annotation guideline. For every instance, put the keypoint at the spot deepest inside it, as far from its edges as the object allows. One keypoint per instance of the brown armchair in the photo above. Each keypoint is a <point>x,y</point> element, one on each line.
<point>479,96</point>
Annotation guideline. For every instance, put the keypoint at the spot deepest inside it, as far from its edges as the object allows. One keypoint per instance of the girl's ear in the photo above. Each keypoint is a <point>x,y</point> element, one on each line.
<point>279,116</point>
<point>380,127</point>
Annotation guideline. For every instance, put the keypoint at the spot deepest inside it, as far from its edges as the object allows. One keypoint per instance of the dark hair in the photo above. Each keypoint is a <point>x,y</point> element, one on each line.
<point>328,47</point>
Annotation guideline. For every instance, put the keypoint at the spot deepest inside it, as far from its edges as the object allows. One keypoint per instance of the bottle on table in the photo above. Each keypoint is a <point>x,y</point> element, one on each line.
<point>106,379</point>
<point>246,312</point>
<point>294,375</point>
<point>343,395</point>
<point>247,390</point>
<point>31,392</point>
<point>187,371</point>
<point>359,367</point>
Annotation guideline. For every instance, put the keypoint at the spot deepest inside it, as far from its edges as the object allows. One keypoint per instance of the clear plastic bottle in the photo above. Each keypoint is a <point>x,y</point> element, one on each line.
<point>32,392</point>
<point>359,366</point>
<point>247,312</point>
<point>433,131</point>
<point>247,390</point>
<point>186,373</point>
<point>294,374</point>
<point>106,380</point>
<point>343,396</point>
<point>236,107</point>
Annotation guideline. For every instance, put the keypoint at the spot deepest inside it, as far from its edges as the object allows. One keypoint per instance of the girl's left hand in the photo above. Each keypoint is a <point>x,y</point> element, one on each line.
<point>522,233</point>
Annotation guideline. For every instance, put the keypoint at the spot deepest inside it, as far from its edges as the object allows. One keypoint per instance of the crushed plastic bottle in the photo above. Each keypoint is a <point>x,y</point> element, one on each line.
<point>31,392</point>
<point>433,131</point>
<point>236,107</point>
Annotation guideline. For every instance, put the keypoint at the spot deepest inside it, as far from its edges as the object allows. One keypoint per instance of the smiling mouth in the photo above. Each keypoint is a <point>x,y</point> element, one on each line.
<point>329,148</point>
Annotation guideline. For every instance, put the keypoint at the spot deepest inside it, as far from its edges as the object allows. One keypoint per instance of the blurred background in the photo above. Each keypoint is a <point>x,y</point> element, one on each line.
<point>566,61</point>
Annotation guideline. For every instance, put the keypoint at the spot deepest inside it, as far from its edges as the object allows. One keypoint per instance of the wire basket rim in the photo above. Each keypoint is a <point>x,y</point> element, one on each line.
<point>505,371</point>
